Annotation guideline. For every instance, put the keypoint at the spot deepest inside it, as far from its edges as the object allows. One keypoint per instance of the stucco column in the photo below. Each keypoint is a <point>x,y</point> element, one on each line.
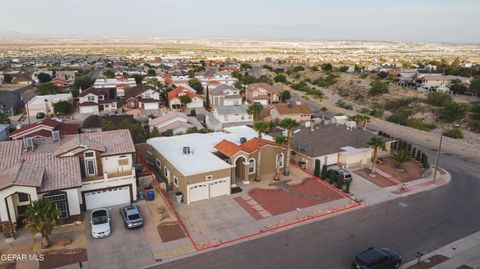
<point>245,180</point>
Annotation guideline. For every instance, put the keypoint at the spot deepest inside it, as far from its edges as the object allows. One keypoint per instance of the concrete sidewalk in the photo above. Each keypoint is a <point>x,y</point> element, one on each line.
<point>463,253</point>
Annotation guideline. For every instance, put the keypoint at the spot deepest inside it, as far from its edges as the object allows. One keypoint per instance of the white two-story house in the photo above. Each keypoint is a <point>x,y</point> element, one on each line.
<point>97,100</point>
<point>224,95</point>
<point>228,116</point>
<point>77,172</point>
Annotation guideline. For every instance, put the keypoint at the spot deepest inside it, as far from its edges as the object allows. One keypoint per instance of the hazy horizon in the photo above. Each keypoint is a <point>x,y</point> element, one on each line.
<point>371,20</point>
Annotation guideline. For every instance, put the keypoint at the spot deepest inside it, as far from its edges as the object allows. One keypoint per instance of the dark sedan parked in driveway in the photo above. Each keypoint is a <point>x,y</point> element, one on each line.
<point>377,258</point>
<point>131,216</point>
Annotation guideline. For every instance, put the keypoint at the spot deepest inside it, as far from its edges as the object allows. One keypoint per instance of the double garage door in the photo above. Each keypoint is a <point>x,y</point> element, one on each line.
<point>107,197</point>
<point>206,190</point>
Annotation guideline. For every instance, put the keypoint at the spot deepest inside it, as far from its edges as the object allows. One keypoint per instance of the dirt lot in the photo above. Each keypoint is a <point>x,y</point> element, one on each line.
<point>405,172</point>
<point>170,231</point>
<point>61,259</point>
<point>377,179</point>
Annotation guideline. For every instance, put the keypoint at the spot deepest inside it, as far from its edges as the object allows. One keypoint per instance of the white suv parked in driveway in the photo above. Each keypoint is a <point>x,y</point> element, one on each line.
<point>100,223</point>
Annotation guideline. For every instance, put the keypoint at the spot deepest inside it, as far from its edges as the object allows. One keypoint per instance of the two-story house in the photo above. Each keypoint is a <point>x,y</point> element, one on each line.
<point>97,100</point>
<point>228,116</point>
<point>174,98</point>
<point>77,172</point>
<point>262,93</point>
<point>224,95</point>
<point>143,97</point>
<point>176,121</point>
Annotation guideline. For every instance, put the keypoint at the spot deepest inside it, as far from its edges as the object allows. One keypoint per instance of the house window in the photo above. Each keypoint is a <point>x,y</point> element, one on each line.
<point>251,166</point>
<point>209,177</point>
<point>23,197</point>
<point>90,163</point>
<point>60,202</point>
<point>175,181</point>
<point>165,172</point>
<point>159,164</point>
<point>123,160</point>
<point>91,98</point>
<point>101,97</point>
<point>280,160</point>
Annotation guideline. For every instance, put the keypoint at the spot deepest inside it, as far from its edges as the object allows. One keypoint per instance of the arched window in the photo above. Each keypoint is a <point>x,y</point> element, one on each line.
<point>251,166</point>
<point>280,160</point>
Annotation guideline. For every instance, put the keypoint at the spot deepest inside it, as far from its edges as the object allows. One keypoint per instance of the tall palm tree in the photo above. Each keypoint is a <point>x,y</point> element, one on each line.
<point>288,124</point>
<point>255,109</point>
<point>261,127</point>
<point>41,217</point>
<point>376,143</point>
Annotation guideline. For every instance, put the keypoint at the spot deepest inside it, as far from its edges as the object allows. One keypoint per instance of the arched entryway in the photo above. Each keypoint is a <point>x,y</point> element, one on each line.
<point>240,170</point>
<point>16,200</point>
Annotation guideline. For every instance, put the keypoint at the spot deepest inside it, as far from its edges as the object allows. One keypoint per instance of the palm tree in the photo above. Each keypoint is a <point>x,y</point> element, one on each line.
<point>376,143</point>
<point>401,156</point>
<point>154,82</point>
<point>360,119</point>
<point>261,127</point>
<point>41,217</point>
<point>323,109</point>
<point>288,124</point>
<point>255,109</point>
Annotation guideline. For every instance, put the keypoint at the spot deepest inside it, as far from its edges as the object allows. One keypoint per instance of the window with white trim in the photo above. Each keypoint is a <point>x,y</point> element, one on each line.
<point>90,163</point>
<point>209,177</point>
<point>91,98</point>
<point>251,166</point>
<point>23,197</point>
<point>60,202</point>
<point>159,164</point>
<point>175,181</point>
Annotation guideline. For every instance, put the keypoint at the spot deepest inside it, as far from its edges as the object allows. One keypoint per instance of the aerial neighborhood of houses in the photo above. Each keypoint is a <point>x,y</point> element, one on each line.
<point>163,135</point>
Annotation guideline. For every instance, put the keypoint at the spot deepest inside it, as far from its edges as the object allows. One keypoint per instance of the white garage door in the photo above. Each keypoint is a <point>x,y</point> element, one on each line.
<point>108,197</point>
<point>206,190</point>
<point>197,192</point>
<point>219,187</point>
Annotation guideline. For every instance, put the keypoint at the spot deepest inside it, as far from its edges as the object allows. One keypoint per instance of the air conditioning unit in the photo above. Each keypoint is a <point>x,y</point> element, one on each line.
<point>55,136</point>
<point>29,143</point>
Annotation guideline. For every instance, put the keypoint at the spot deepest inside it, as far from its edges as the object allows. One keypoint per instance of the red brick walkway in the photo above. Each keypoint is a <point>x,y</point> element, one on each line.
<point>311,192</point>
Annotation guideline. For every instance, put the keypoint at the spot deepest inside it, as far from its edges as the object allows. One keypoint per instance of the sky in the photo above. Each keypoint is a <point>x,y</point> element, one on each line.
<point>406,20</point>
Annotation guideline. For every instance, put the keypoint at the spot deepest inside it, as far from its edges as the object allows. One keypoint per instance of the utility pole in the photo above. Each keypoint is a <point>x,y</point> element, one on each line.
<point>438,157</point>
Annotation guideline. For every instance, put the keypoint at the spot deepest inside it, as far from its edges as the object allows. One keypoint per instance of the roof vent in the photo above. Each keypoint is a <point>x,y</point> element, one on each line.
<point>187,151</point>
<point>243,140</point>
<point>56,136</point>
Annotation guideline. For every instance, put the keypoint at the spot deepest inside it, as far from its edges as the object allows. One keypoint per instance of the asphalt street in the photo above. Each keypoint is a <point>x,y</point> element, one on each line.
<point>421,222</point>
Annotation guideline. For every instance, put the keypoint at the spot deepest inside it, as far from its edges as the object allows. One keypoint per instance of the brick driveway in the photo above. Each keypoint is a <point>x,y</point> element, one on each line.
<point>261,203</point>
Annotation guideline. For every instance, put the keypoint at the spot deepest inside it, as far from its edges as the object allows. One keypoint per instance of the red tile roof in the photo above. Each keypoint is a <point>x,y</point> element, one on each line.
<point>179,91</point>
<point>229,149</point>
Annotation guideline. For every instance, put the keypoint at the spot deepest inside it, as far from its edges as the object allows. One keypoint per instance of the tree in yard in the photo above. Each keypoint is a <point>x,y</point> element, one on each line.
<point>4,118</point>
<point>324,172</point>
<point>41,217</point>
<point>438,98</point>
<point>63,107</point>
<point>207,100</point>
<point>196,84</point>
<point>452,112</point>
<point>288,124</point>
<point>361,120</point>
<point>7,78</point>
<point>261,127</point>
<point>285,95</point>
<point>327,67</point>
<point>151,72</point>
<point>254,110</point>
<point>281,140</point>
<point>185,99</point>
<point>109,73</point>
<point>280,78</point>
<point>376,143</point>
<point>401,156</point>
<point>245,66</point>
<point>138,78</point>
<point>316,171</point>
<point>48,88</point>
<point>154,133</point>
<point>44,78</point>
<point>83,82</point>
<point>382,75</point>
<point>154,82</point>
<point>137,132</point>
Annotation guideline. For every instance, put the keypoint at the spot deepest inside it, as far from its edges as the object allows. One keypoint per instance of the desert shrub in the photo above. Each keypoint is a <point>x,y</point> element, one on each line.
<point>345,105</point>
<point>438,98</point>
<point>453,133</point>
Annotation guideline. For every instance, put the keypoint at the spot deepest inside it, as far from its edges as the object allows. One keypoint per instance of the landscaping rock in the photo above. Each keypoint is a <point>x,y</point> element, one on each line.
<point>65,241</point>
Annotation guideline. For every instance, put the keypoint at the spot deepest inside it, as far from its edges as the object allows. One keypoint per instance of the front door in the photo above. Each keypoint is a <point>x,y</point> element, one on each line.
<point>21,210</point>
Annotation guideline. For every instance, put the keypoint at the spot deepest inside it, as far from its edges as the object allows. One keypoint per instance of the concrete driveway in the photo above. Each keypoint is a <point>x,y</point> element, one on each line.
<point>122,249</point>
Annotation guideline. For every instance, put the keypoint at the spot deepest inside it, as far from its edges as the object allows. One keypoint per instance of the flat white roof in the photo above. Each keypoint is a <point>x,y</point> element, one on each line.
<point>202,146</point>
<point>40,99</point>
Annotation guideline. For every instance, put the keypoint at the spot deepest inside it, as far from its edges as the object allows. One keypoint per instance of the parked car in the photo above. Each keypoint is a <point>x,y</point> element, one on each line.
<point>346,175</point>
<point>132,217</point>
<point>375,258</point>
<point>100,222</point>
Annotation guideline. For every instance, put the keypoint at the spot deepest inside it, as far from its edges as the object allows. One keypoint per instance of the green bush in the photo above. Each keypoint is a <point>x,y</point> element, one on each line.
<point>453,133</point>
<point>438,98</point>
<point>378,87</point>
<point>345,105</point>
<point>420,124</point>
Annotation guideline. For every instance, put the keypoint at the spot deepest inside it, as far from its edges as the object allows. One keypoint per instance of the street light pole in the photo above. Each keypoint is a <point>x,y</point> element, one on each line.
<point>438,157</point>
